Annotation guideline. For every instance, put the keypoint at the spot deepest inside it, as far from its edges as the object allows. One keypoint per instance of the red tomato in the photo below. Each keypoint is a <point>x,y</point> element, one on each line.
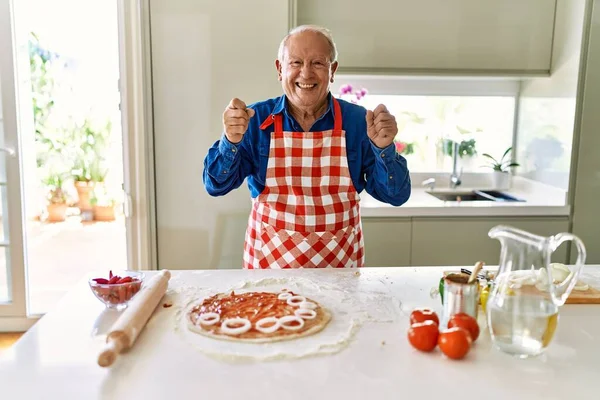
<point>423,314</point>
<point>466,321</point>
<point>423,335</point>
<point>455,342</point>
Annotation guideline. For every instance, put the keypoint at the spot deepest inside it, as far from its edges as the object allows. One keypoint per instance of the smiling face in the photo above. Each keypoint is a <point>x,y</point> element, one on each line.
<point>306,70</point>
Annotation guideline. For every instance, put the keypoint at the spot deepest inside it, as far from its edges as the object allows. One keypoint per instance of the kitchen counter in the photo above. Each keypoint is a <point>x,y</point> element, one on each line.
<point>539,199</point>
<point>56,358</point>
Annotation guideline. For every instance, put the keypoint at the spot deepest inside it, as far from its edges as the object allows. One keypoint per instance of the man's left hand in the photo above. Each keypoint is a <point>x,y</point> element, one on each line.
<point>381,126</point>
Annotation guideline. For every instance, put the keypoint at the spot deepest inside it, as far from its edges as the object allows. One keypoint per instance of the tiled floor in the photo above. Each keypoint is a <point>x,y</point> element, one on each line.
<point>61,254</point>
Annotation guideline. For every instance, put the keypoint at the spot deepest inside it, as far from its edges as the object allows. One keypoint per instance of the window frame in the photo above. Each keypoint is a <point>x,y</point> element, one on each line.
<point>393,85</point>
<point>430,85</point>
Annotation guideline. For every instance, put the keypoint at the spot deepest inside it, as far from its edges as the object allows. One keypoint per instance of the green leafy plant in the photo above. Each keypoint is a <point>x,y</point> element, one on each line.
<point>404,147</point>
<point>56,194</point>
<point>81,143</point>
<point>502,165</point>
<point>42,82</point>
<point>89,145</point>
<point>102,197</point>
<point>466,148</point>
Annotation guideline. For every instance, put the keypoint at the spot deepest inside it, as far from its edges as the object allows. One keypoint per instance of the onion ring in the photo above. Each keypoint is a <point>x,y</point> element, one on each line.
<point>307,305</point>
<point>291,318</point>
<point>284,295</point>
<point>208,318</point>
<point>305,313</point>
<point>269,329</point>
<point>295,300</point>
<point>228,330</point>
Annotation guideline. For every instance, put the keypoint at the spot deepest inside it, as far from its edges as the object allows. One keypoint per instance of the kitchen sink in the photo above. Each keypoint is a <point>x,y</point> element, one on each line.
<point>474,195</point>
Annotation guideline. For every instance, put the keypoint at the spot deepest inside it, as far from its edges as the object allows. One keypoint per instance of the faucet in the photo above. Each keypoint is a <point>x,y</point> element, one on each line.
<point>429,182</point>
<point>455,176</point>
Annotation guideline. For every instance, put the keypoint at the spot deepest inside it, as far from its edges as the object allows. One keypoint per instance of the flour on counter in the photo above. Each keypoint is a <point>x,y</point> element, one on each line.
<point>350,306</point>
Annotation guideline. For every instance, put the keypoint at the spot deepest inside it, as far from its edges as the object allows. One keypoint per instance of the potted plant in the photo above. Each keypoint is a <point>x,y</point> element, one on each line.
<point>404,147</point>
<point>83,184</point>
<point>103,204</point>
<point>501,174</point>
<point>57,199</point>
<point>89,144</point>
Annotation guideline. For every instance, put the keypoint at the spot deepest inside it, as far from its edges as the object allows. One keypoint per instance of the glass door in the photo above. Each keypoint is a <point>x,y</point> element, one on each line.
<point>61,151</point>
<point>15,115</point>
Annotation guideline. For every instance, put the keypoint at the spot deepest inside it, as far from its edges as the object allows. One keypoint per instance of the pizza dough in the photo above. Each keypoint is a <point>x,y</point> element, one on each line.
<point>348,299</point>
<point>257,316</point>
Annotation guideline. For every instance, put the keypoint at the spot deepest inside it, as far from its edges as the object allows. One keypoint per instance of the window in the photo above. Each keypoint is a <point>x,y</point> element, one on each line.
<point>432,114</point>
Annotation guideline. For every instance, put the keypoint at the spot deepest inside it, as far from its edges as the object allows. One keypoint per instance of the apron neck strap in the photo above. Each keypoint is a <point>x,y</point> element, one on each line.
<point>337,115</point>
<point>279,123</point>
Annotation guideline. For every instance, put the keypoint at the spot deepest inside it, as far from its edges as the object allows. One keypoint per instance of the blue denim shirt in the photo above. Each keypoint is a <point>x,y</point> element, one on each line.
<point>382,172</point>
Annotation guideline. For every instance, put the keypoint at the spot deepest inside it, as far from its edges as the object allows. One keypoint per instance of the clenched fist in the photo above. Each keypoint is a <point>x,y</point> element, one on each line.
<point>381,126</point>
<point>235,120</point>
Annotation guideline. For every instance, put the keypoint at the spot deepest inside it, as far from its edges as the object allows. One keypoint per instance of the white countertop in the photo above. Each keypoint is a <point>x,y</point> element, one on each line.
<point>539,200</point>
<point>56,359</point>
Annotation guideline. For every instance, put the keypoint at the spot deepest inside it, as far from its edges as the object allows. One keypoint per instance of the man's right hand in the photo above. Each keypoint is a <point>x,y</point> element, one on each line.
<point>235,120</point>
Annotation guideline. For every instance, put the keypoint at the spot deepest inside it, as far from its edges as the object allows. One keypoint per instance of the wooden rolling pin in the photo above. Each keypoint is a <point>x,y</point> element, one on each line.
<point>126,329</point>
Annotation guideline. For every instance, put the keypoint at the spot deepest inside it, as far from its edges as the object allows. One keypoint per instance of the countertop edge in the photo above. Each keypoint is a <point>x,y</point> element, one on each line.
<point>457,211</point>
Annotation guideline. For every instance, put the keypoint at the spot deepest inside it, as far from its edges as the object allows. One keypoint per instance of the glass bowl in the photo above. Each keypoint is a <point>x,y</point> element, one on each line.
<point>118,288</point>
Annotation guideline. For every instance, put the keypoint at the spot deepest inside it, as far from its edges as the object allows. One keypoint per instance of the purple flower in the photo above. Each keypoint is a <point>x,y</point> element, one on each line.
<point>363,92</point>
<point>345,89</point>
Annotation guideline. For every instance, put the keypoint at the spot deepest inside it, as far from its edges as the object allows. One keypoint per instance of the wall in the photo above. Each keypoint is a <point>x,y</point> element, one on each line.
<point>230,51</point>
<point>547,105</point>
<point>586,188</point>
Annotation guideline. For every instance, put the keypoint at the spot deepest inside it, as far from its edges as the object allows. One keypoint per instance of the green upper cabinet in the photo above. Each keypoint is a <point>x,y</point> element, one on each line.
<point>508,37</point>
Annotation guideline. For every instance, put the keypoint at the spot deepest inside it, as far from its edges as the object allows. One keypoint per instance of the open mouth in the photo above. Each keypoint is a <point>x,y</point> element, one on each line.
<point>305,85</point>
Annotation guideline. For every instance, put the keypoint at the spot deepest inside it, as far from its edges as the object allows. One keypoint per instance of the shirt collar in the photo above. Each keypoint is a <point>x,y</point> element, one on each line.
<point>281,105</point>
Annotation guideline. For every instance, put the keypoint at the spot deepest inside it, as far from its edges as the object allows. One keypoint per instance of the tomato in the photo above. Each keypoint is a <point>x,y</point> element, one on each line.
<point>455,342</point>
<point>466,321</point>
<point>423,335</point>
<point>423,314</point>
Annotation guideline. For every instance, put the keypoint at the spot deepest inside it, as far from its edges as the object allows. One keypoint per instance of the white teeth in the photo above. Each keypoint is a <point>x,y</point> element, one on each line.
<point>305,86</point>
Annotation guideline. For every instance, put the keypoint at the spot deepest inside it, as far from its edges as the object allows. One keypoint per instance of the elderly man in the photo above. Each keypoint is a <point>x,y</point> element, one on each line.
<point>307,156</point>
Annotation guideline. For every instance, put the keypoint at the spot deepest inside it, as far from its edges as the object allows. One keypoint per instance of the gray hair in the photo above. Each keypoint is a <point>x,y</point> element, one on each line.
<point>310,28</point>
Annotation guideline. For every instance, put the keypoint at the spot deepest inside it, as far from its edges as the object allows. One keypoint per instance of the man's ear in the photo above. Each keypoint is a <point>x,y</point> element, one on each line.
<point>278,67</point>
<point>334,67</point>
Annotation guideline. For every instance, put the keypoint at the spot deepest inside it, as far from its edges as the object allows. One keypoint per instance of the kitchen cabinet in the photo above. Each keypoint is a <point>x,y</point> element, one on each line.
<point>387,241</point>
<point>455,36</point>
<point>464,241</point>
